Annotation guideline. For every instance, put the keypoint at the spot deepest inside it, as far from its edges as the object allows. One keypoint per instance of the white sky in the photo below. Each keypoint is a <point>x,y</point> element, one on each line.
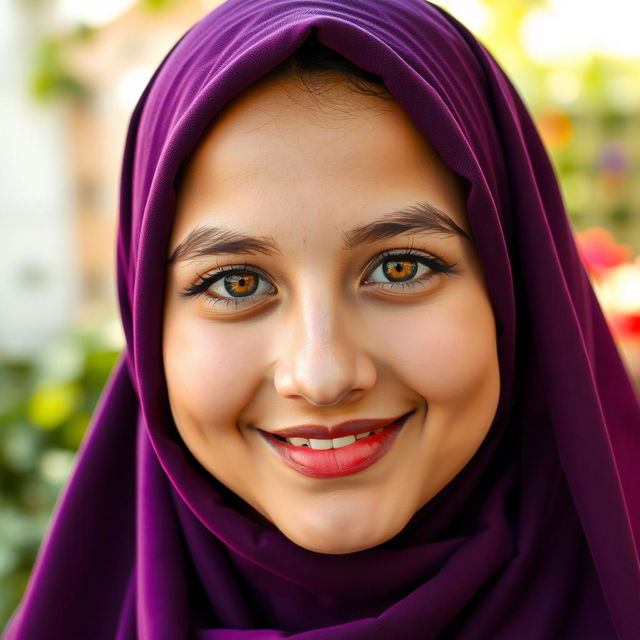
<point>575,28</point>
<point>562,28</point>
<point>91,12</point>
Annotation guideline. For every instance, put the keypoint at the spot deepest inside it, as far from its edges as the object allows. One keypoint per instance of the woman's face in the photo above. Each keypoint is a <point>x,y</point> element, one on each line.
<point>319,275</point>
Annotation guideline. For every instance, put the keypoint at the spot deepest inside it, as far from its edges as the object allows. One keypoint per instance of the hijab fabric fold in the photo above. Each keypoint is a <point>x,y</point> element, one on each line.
<point>537,537</point>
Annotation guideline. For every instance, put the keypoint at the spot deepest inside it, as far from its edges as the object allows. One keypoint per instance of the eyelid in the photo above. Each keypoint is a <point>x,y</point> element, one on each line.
<point>207,279</point>
<point>433,262</point>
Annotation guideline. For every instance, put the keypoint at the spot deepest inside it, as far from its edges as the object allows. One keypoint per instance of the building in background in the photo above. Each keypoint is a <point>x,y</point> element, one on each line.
<point>113,65</point>
<point>38,270</point>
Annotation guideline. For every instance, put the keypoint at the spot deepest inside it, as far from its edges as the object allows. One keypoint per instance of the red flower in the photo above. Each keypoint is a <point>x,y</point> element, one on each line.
<point>600,252</point>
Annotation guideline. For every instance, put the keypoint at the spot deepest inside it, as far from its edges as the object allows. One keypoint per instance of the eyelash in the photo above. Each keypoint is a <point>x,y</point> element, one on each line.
<point>437,266</point>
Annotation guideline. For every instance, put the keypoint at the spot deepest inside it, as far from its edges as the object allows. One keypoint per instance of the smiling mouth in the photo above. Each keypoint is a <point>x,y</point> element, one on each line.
<point>345,454</point>
<point>323,444</point>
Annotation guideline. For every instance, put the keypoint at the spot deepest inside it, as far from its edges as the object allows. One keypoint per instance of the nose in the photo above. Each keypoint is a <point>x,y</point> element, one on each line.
<point>319,358</point>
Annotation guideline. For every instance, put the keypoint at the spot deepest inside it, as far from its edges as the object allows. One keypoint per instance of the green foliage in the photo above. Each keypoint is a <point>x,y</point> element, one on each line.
<point>156,5</point>
<point>50,75</point>
<point>45,408</point>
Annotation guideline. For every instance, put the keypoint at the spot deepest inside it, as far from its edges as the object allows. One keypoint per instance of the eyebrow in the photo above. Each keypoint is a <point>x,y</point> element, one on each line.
<point>419,218</point>
<point>205,240</point>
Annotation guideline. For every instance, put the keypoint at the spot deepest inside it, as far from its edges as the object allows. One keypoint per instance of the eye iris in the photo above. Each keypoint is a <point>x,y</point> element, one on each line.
<point>242,284</point>
<point>400,270</point>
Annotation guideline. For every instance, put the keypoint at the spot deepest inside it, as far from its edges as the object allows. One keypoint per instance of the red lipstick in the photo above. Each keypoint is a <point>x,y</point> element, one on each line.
<point>335,462</point>
<point>351,427</point>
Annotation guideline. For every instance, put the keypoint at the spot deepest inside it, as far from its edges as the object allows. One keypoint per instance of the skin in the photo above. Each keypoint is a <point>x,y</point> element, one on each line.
<point>326,340</point>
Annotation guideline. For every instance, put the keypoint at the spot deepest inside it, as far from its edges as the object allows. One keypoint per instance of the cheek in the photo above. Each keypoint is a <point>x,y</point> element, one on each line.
<point>209,371</point>
<point>451,351</point>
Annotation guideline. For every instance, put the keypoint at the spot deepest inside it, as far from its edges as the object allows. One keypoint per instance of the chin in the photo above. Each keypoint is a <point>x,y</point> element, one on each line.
<point>335,546</point>
<point>339,538</point>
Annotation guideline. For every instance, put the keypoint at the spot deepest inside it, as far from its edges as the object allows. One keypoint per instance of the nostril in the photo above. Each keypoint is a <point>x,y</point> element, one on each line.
<point>324,374</point>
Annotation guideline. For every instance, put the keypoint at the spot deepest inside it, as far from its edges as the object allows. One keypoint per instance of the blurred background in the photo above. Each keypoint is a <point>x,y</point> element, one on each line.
<point>70,74</point>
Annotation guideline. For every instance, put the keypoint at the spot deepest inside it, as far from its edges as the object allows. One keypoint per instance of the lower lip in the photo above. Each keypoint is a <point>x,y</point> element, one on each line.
<point>334,463</point>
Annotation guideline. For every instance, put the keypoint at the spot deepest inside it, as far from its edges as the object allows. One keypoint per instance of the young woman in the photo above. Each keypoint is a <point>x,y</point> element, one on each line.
<point>368,391</point>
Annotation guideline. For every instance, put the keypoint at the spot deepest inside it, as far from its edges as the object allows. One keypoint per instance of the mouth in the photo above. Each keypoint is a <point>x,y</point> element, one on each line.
<point>330,452</point>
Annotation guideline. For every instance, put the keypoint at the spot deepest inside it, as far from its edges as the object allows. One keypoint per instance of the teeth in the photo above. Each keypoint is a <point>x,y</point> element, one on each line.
<point>343,442</point>
<point>335,443</point>
<point>320,444</point>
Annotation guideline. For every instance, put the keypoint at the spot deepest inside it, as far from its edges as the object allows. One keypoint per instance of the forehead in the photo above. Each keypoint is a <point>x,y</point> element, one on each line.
<point>327,148</point>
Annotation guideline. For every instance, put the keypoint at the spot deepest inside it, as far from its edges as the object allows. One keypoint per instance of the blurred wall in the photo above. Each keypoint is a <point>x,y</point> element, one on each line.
<point>38,270</point>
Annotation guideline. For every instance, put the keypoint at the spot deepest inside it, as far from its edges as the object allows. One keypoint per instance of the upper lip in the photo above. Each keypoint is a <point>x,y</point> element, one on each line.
<point>348,428</point>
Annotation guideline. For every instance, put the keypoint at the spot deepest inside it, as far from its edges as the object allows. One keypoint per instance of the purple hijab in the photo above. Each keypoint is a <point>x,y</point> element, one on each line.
<point>536,538</point>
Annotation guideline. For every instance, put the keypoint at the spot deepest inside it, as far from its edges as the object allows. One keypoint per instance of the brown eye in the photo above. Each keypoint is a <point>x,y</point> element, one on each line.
<point>234,284</point>
<point>403,269</point>
<point>399,270</point>
<point>241,284</point>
